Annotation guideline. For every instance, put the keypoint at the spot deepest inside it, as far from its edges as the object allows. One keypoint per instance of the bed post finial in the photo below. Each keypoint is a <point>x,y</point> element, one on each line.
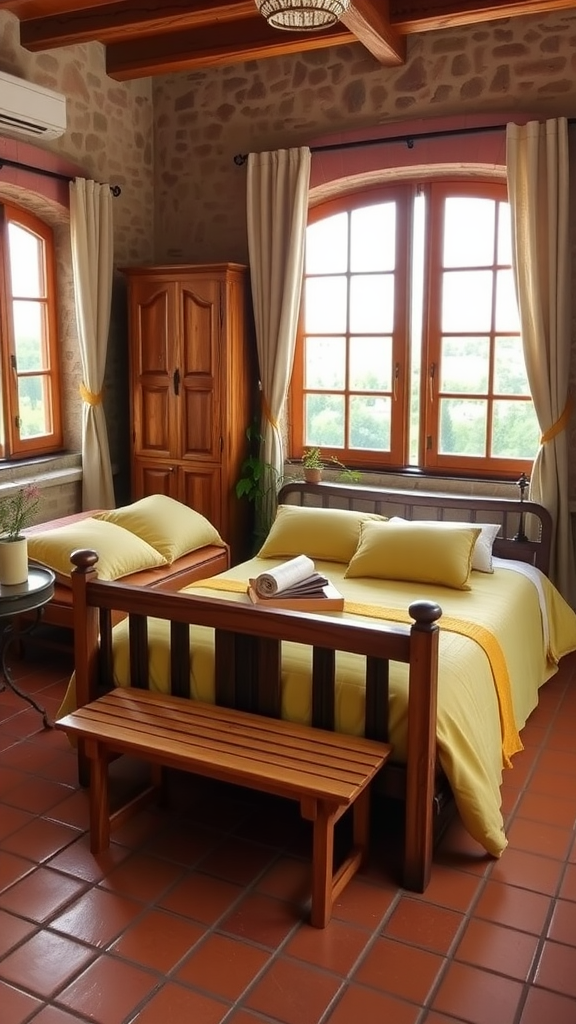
<point>523,483</point>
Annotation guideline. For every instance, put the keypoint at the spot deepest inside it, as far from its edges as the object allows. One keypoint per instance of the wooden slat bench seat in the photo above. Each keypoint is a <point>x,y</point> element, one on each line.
<point>325,771</point>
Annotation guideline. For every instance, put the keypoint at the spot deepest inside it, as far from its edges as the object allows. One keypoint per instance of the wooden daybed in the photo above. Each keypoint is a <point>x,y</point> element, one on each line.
<point>248,642</point>
<point>194,565</point>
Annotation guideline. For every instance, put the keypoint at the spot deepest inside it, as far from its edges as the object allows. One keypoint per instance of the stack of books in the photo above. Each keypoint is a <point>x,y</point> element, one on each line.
<point>295,585</point>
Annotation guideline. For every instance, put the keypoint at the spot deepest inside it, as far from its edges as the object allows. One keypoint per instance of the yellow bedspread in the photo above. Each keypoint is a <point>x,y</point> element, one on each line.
<point>469,725</point>
<point>511,742</point>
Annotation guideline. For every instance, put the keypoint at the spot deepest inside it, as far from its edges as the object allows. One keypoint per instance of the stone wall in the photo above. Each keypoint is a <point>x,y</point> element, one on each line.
<point>203,119</point>
<point>109,138</point>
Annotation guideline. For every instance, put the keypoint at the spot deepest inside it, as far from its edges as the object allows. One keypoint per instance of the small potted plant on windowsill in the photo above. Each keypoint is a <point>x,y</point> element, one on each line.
<point>312,465</point>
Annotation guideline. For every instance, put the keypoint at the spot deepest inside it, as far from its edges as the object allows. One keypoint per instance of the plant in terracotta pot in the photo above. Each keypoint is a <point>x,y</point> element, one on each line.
<point>312,464</point>
<point>16,512</point>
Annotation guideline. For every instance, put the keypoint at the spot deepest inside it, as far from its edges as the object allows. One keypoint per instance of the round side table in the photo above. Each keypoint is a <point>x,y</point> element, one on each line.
<point>23,597</point>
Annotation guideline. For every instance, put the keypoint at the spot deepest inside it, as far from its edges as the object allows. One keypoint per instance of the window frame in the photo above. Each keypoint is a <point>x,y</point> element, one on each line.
<point>400,384</point>
<point>430,461</point>
<point>430,458</point>
<point>12,445</point>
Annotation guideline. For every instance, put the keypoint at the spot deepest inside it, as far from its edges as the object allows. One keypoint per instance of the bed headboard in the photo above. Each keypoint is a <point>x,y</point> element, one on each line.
<point>525,527</point>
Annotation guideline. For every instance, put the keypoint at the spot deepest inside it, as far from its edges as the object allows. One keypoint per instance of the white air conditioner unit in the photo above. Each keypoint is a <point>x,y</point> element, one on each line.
<point>30,109</point>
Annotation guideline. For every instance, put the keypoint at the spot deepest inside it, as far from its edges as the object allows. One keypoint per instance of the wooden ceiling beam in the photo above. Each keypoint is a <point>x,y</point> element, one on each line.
<point>128,19</point>
<point>411,16</point>
<point>212,46</point>
<point>153,37</point>
<point>369,22</point>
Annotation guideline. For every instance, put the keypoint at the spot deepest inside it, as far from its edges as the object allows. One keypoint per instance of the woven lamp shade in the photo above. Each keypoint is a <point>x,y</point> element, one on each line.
<point>302,15</point>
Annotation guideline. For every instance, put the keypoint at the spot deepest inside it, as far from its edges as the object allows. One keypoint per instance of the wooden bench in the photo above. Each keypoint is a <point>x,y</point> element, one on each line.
<point>326,772</point>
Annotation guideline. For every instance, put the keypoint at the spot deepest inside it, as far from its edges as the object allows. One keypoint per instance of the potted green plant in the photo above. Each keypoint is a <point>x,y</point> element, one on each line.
<point>345,475</point>
<point>312,464</point>
<point>257,481</point>
<point>16,512</point>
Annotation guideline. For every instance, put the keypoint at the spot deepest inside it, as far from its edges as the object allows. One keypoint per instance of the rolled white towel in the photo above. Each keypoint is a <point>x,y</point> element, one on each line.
<point>267,584</point>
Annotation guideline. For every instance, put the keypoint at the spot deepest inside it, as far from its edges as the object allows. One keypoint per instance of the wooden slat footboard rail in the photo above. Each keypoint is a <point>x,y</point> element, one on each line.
<point>248,671</point>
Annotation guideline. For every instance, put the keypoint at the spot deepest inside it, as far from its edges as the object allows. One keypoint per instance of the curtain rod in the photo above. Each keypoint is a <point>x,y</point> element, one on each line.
<point>115,189</point>
<point>409,138</point>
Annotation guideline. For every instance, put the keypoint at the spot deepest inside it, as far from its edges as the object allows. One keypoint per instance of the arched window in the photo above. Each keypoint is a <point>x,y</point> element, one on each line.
<point>31,420</point>
<point>409,353</point>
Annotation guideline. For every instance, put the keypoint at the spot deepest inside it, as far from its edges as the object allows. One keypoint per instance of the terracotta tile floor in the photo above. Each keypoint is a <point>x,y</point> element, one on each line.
<point>197,913</point>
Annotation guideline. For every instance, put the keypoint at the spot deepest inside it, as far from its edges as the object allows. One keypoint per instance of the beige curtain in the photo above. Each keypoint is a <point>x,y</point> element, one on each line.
<point>92,263</point>
<point>538,189</point>
<point>277,208</point>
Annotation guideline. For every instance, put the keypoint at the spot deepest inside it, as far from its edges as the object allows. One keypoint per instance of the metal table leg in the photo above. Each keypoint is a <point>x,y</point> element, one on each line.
<point>7,638</point>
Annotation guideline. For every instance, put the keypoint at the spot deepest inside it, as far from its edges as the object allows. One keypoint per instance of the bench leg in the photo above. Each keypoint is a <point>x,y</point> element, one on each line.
<point>99,799</point>
<point>322,864</point>
<point>83,765</point>
<point>326,883</point>
<point>361,822</point>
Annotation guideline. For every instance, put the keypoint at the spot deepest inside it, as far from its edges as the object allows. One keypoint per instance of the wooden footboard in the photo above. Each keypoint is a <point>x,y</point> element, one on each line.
<point>248,670</point>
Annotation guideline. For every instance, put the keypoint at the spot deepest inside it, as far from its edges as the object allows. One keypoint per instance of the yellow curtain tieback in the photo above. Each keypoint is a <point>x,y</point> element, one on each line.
<point>90,397</point>
<point>267,413</point>
<point>560,424</point>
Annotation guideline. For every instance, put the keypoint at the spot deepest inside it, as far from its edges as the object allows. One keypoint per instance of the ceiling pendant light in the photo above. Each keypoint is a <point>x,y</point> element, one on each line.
<point>302,15</point>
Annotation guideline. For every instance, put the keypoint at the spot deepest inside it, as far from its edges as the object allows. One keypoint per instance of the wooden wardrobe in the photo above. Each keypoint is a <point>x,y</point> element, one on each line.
<point>192,384</point>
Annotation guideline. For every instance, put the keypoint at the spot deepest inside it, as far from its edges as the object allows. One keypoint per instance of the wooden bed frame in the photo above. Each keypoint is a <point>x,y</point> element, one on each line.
<point>196,565</point>
<point>248,644</point>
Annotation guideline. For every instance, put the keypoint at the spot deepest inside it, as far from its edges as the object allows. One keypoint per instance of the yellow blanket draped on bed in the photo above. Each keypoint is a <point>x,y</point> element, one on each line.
<point>511,742</point>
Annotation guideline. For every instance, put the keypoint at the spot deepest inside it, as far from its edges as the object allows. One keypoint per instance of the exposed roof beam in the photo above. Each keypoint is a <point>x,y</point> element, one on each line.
<point>227,43</point>
<point>153,37</point>
<point>411,16</point>
<point>369,22</point>
<point>128,19</point>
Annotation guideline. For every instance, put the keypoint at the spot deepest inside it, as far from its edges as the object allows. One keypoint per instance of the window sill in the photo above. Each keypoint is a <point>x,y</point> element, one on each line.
<point>417,482</point>
<point>58,478</point>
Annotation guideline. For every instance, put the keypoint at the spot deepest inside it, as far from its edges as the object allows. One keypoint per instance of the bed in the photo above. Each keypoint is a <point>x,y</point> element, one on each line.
<point>155,542</point>
<point>445,660</point>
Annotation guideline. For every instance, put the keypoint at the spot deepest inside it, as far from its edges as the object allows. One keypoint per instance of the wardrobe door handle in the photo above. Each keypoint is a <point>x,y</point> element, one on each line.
<point>176,381</point>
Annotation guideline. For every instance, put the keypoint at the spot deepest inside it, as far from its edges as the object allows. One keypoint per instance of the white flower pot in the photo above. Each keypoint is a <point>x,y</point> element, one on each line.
<point>13,561</point>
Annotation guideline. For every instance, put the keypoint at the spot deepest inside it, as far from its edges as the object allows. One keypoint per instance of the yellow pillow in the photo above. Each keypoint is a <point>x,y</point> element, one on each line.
<point>415,552</point>
<point>482,553</point>
<point>119,552</point>
<point>329,534</point>
<point>167,525</point>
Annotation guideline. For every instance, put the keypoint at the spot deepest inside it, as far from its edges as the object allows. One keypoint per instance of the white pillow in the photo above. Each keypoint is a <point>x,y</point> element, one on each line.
<point>482,553</point>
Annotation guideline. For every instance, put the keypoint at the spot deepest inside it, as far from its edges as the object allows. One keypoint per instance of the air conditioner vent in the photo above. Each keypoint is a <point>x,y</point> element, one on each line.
<point>30,109</point>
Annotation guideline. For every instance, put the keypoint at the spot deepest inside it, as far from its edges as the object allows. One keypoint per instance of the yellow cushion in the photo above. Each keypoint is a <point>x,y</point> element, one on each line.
<point>167,525</point>
<point>482,553</point>
<point>416,552</point>
<point>119,552</point>
<point>329,534</point>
